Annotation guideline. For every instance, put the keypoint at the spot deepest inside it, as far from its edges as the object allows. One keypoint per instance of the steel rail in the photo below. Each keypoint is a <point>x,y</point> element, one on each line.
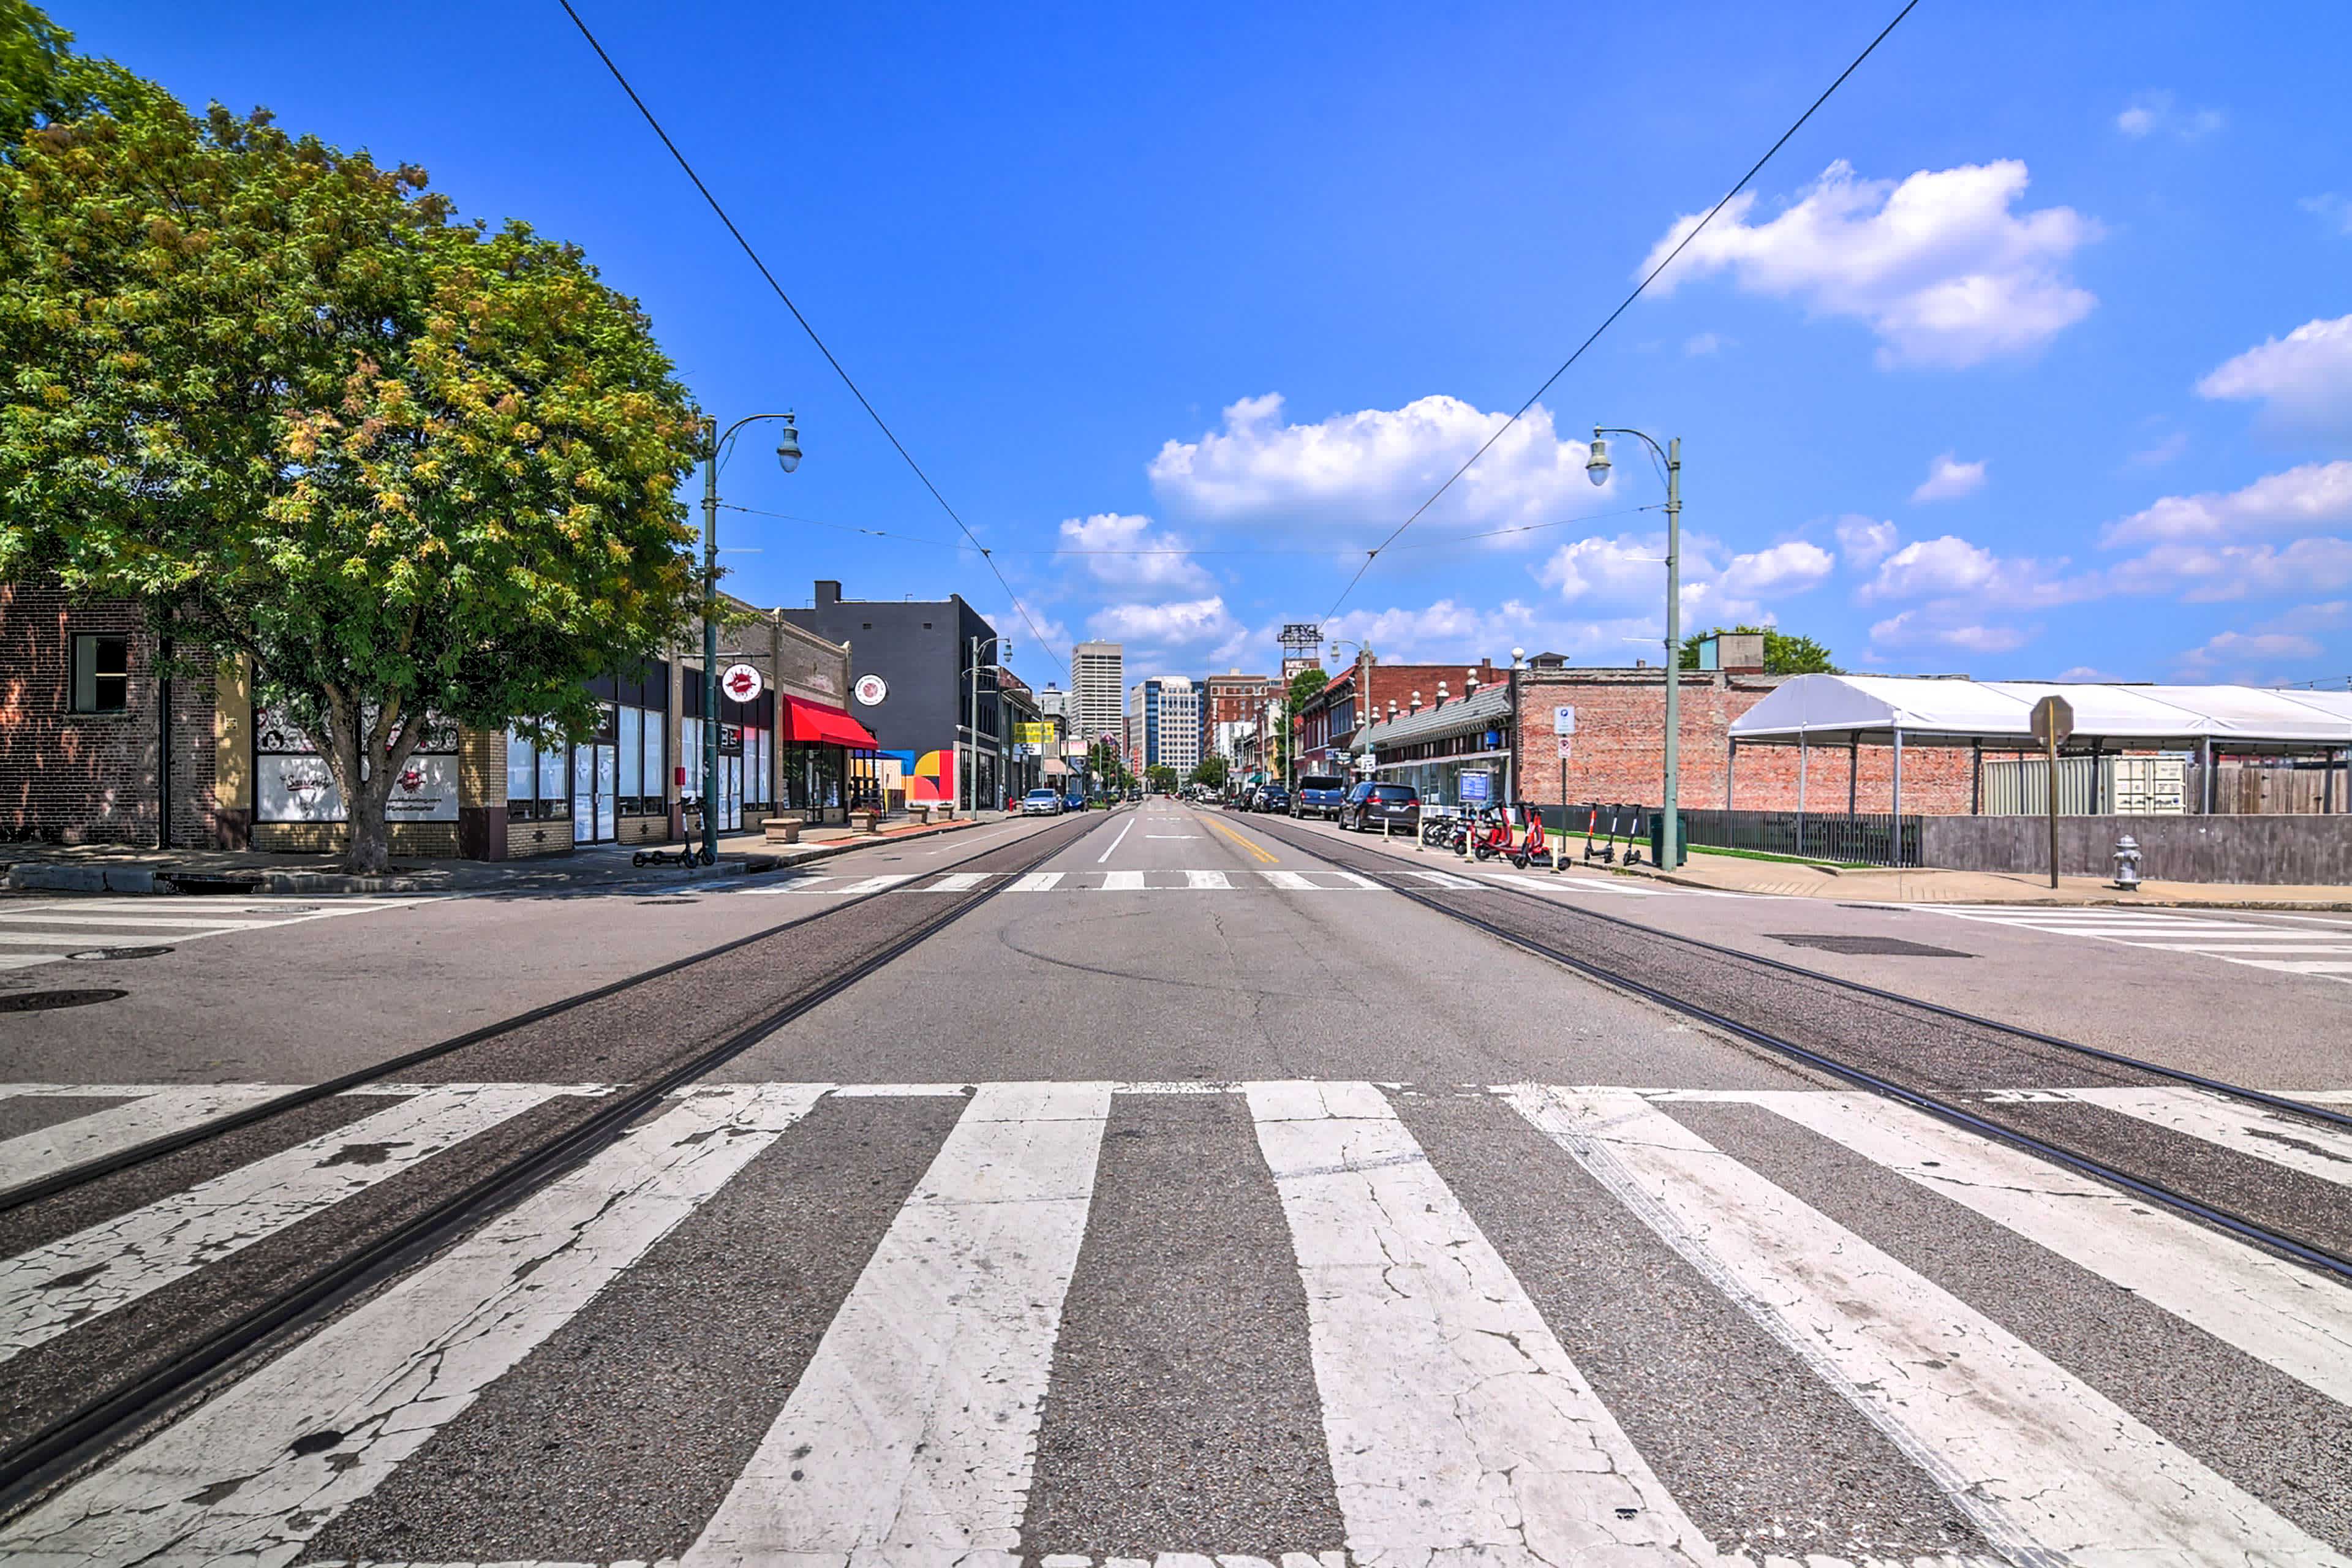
<point>2290,1106</point>
<point>2321,1258</point>
<point>66,1442</point>
<point>172,1142</point>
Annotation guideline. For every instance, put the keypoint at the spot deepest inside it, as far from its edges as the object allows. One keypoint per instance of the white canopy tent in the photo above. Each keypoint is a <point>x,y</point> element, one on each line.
<point>1878,709</point>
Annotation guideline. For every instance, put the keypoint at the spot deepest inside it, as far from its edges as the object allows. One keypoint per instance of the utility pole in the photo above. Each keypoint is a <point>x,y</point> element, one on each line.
<point>1672,827</point>
<point>709,640</point>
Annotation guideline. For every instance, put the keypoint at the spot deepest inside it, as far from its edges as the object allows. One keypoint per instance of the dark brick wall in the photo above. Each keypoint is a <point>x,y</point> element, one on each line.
<point>90,778</point>
<point>1620,720</point>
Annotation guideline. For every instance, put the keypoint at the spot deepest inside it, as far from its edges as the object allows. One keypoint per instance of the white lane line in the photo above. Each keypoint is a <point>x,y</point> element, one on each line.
<point>1209,880</point>
<point>2295,967</point>
<point>225,1482</point>
<point>2248,1128</point>
<point>73,940</point>
<point>1116,840</point>
<point>2049,1468</point>
<point>1459,1430</point>
<point>910,1437</point>
<point>94,1271</point>
<point>1445,879</point>
<point>877,884</point>
<point>959,881</point>
<point>192,922</point>
<point>1122,882</point>
<point>1289,882</point>
<point>31,1155</point>
<point>1191,835</point>
<point>1036,882</point>
<point>2267,949</point>
<point>2274,1310</point>
<point>1354,880</point>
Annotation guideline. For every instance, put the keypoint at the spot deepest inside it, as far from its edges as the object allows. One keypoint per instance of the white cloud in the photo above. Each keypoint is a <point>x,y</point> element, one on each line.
<point>1441,632</point>
<point>2153,111</point>
<point>2088,673</point>
<point>2243,652</point>
<point>1938,266</point>
<point>1127,552</point>
<point>1705,343</point>
<point>1627,574</point>
<point>2333,210</point>
<point>2205,574</point>
<point>1948,564</point>
<point>1862,542</point>
<point>2304,378</point>
<point>1950,479</point>
<point>2315,495</point>
<point>1376,465</point>
<point>1188,623</point>
<point>1927,628</point>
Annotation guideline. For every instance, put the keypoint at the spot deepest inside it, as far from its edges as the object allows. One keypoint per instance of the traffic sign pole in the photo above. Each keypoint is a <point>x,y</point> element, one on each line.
<point>2052,722</point>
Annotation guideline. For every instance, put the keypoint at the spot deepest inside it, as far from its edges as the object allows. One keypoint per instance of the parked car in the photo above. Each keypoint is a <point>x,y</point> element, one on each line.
<point>1319,794</point>
<point>1041,803</point>
<point>1381,807</point>
<point>1272,798</point>
<point>1075,801</point>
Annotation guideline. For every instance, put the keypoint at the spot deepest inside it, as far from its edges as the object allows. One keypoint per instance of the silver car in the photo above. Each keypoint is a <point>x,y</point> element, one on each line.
<point>1041,803</point>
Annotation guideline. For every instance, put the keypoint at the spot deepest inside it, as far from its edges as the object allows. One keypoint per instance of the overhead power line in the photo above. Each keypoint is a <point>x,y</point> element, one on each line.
<point>839,369</point>
<point>1436,543</point>
<point>1622,305</point>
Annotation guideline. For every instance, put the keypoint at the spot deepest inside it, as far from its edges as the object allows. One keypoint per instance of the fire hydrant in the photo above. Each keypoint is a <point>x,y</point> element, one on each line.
<point>2127,864</point>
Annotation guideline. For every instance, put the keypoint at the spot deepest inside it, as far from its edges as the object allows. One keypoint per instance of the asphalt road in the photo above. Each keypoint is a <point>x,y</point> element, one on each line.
<point>1186,1197</point>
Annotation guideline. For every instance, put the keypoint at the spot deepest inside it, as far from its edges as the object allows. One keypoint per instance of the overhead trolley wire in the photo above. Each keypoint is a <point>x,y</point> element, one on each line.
<point>839,369</point>
<point>1622,305</point>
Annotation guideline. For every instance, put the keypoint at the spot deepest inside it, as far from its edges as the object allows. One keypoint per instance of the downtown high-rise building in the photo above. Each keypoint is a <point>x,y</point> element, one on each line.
<point>1097,689</point>
<point>1164,723</point>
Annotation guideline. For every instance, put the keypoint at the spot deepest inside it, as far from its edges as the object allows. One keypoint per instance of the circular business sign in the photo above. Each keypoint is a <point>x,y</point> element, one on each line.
<point>870,689</point>
<point>740,681</point>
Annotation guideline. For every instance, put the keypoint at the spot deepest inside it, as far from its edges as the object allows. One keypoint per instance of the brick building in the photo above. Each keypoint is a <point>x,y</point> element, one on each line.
<point>1325,725</point>
<point>92,742</point>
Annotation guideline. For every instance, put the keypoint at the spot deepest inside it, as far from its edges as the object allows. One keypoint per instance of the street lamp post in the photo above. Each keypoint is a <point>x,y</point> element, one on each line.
<point>1596,468</point>
<point>714,445</point>
<point>1363,681</point>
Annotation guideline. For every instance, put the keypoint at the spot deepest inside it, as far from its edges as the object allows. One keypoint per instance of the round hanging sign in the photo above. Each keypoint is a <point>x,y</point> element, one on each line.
<point>870,689</point>
<point>740,681</point>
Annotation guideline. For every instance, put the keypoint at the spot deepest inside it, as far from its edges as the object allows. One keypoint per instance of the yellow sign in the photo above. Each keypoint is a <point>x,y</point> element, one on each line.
<point>1041,734</point>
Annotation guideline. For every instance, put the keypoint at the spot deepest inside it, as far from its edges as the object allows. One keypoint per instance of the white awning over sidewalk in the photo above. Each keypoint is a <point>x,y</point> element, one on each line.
<point>1824,709</point>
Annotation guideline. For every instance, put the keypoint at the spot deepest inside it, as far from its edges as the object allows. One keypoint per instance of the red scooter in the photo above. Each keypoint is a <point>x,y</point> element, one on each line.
<point>1497,825</point>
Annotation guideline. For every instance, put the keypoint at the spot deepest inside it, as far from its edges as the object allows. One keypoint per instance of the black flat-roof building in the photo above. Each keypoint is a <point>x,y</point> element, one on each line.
<point>910,673</point>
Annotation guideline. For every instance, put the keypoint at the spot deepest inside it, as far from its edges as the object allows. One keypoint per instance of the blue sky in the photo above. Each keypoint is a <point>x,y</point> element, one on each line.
<point>2029,357</point>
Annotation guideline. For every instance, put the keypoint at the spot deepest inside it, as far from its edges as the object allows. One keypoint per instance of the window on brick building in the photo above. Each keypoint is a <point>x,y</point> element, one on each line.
<point>101,672</point>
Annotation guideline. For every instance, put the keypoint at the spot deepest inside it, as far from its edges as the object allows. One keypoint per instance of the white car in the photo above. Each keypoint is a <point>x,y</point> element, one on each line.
<point>1041,803</point>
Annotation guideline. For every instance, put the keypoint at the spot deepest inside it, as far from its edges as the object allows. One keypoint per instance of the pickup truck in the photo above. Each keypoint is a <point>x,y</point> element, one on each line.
<point>1319,794</point>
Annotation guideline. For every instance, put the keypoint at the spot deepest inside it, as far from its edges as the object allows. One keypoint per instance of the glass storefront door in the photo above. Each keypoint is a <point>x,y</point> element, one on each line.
<point>595,798</point>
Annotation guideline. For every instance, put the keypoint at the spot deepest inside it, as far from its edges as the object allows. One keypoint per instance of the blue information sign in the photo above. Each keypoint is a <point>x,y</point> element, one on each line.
<point>1474,789</point>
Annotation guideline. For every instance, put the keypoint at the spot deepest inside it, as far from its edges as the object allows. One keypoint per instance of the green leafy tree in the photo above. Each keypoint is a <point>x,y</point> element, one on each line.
<point>1211,773</point>
<point>270,391</point>
<point>1161,777</point>
<point>1303,685</point>
<point>1784,653</point>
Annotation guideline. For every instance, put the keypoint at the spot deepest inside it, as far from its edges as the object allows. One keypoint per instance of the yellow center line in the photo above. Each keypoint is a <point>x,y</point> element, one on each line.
<point>1263,856</point>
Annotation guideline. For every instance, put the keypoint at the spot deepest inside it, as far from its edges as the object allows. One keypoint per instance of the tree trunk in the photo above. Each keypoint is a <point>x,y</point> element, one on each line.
<point>367,851</point>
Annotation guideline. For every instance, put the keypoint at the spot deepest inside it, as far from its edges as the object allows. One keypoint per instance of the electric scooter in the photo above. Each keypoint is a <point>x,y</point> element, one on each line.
<point>688,855</point>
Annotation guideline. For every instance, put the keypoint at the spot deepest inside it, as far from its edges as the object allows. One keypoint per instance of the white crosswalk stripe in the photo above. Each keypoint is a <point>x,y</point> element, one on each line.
<point>57,929</point>
<point>1153,880</point>
<point>1459,1429</point>
<point>2305,948</point>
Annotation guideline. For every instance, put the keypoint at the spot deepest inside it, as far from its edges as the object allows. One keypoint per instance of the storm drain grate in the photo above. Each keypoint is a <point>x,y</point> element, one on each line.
<point>1874,946</point>
<point>101,954</point>
<point>49,1001</point>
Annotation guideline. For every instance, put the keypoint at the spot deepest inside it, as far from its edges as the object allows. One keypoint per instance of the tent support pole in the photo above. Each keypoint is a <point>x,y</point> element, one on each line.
<point>1897,798</point>
<point>2205,776</point>
<point>1975,778</point>
<point>1802,755</point>
<point>1852,772</point>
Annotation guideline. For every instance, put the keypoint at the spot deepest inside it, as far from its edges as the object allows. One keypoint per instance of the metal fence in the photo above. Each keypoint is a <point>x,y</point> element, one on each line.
<point>1868,838</point>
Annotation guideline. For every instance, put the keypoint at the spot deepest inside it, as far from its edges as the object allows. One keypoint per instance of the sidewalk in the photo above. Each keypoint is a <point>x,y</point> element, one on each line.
<point>1882,884</point>
<point>122,868</point>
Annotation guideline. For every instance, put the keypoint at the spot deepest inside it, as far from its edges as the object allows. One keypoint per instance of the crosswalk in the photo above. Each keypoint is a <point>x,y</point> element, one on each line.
<point>1320,880</point>
<point>2288,945</point>
<point>1464,1413</point>
<point>55,929</point>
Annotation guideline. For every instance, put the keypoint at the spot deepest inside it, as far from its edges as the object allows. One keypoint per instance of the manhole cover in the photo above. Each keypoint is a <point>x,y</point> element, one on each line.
<point>669,900</point>
<point>49,1001</point>
<point>1876,946</point>
<point>103,954</point>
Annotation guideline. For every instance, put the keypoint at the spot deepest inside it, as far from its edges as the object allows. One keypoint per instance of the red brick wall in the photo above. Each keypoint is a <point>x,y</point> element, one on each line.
<point>91,777</point>
<point>1620,755</point>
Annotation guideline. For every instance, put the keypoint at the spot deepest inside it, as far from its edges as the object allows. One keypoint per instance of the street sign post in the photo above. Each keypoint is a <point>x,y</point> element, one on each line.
<point>2052,722</point>
<point>1563,725</point>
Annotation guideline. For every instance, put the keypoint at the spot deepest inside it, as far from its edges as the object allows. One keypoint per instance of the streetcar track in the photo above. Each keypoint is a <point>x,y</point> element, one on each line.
<point>2258,1232</point>
<point>145,1153</point>
<point>68,1440</point>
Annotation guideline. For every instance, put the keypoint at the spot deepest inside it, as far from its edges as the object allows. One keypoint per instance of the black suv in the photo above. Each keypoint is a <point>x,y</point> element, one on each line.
<point>1273,797</point>
<point>1371,805</point>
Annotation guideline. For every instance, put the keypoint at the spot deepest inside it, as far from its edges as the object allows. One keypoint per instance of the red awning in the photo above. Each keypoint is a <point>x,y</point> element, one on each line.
<point>814,724</point>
